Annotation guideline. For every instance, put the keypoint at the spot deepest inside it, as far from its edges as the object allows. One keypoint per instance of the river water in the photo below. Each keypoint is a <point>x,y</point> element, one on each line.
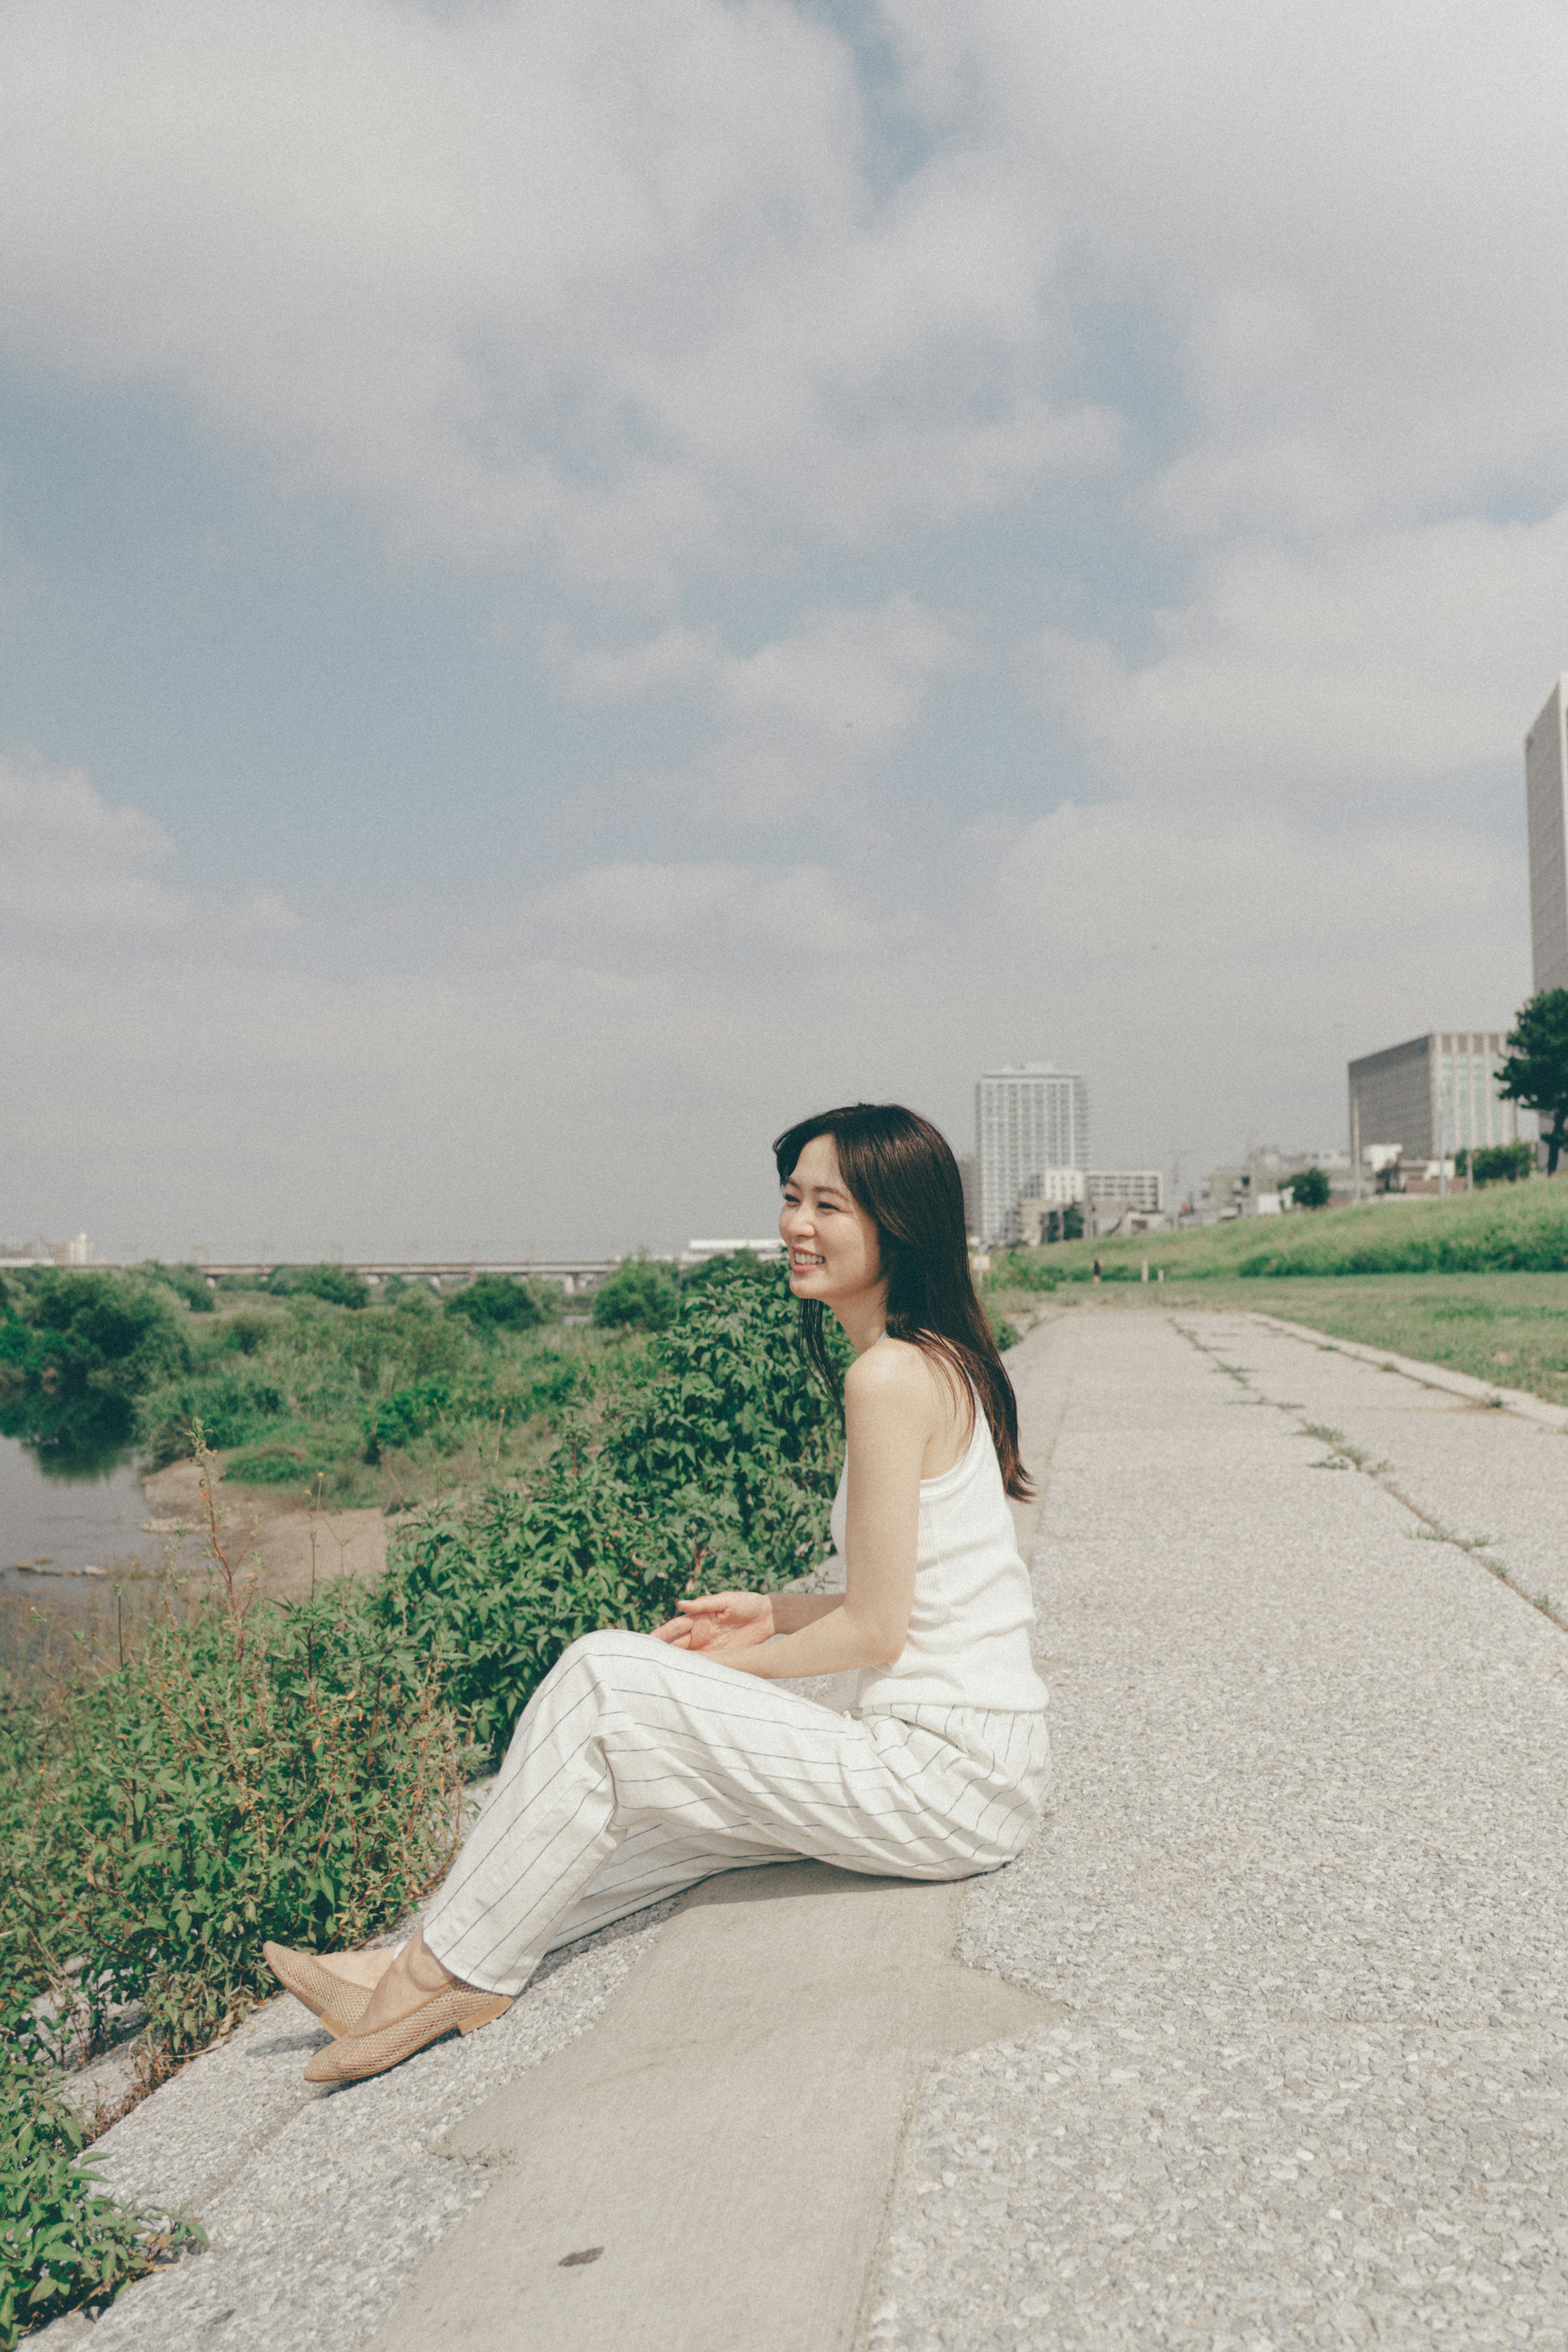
<point>53,1524</point>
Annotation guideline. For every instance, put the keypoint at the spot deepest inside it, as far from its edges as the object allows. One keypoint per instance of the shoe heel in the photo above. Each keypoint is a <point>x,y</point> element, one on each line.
<point>492,2010</point>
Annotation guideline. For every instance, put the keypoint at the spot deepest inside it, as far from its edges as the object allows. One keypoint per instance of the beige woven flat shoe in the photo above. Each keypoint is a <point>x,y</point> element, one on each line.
<point>359,2055</point>
<point>339,2005</point>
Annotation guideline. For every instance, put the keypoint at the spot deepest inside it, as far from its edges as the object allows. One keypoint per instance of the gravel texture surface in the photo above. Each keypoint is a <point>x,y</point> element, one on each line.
<point>1306,1890</point>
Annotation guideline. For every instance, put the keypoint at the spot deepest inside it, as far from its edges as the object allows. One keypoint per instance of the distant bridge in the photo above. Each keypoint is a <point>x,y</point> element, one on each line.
<point>572,1273</point>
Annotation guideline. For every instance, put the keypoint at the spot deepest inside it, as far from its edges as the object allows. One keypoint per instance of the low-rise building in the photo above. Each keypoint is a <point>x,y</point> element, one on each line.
<point>697,1253</point>
<point>1105,1196</point>
<point>1257,1186</point>
<point>44,1252</point>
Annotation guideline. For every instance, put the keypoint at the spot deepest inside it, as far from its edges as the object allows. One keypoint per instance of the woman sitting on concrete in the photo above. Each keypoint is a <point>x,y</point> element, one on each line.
<point>646,1762</point>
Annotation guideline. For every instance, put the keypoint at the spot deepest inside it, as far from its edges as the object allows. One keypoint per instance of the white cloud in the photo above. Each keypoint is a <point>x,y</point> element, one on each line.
<point>71,864</point>
<point>614,284</point>
<point>797,729</point>
<point>69,861</point>
<point>750,921</point>
<point>1367,663</point>
<point>1350,220</point>
<point>1123,883</point>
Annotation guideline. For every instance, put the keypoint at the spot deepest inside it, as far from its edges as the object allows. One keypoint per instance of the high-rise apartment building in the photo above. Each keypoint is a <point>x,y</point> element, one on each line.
<point>1025,1120</point>
<point>1433,1096</point>
<point>1546,799</point>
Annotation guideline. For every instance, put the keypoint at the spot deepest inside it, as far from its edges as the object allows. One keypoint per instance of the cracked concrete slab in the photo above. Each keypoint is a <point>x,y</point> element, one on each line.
<point>710,2168</point>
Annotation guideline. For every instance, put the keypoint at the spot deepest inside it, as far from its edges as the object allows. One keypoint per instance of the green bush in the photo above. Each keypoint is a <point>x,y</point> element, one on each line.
<point>63,2242</point>
<point>495,1302</point>
<point>715,1466</point>
<point>1005,1332</point>
<point>640,1295</point>
<point>235,1404</point>
<point>187,1282</point>
<point>289,1774</point>
<point>339,1286</point>
<point>76,1351</point>
<point>1500,1163</point>
<point>1311,1189</point>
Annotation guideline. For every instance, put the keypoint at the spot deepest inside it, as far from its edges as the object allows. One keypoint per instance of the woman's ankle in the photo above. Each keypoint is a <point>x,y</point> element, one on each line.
<point>427,1971</point>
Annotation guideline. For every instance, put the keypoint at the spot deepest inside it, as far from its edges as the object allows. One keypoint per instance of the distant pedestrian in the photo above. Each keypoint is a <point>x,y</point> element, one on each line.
<point>1096,1270</point>
<point>644,1763</point>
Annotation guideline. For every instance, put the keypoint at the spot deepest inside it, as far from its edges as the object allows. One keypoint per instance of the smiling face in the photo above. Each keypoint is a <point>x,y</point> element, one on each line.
<point>834,1255</point>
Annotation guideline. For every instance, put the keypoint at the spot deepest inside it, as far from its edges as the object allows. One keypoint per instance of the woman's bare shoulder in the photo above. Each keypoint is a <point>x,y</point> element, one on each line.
<point>894,1372</point>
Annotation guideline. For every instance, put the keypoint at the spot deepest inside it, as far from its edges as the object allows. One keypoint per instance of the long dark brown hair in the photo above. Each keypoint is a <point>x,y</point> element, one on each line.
<point>901,1170</point>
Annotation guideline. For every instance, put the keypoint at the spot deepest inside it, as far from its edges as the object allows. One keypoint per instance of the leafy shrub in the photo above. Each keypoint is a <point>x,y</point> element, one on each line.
<point>235,1404</point>
<point>242,1335</point>
<point>1022,1269</point>
<point>339,1286</point>
<point>291,1774</point>
<point>63,2242</point>
<point>716,1466</point>
<point>1004,1332</point>
<point>495,1302</point>
<point>75,1352</point>
<point>640,1295</point>
<point>1504,1163</point>
<point>187,1282</point>
<point>415,1412</point>
<point>1311,1189</point>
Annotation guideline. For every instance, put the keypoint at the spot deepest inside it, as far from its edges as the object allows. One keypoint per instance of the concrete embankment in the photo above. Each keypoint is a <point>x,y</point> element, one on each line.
<point>1262,2043</point>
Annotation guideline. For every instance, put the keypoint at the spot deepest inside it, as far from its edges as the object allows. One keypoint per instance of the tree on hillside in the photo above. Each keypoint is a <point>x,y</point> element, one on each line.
<point>495,1302</point>
<point>641,1295</point>
<point>1536,1070</point>
<point>340,1285</point>
<point>1310,1190</point>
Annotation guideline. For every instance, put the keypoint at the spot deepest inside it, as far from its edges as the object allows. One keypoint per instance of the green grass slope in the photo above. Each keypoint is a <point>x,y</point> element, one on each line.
<point>1506,1229</point>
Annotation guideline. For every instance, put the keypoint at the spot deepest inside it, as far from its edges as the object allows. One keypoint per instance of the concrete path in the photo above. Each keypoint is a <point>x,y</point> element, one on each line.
<point>1305,1893</point>
<point>1299,1916</point>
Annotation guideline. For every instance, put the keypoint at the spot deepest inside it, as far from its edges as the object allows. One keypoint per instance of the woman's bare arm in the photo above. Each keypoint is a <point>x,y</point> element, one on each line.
<point>793,1612</point>
<point>891,1412</point>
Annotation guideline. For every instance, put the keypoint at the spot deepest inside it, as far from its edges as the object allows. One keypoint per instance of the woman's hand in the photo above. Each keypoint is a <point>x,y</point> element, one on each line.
<point>720,1621</point>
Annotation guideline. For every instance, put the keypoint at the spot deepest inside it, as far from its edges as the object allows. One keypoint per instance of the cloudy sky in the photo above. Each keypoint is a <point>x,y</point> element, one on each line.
<point>578,582</point>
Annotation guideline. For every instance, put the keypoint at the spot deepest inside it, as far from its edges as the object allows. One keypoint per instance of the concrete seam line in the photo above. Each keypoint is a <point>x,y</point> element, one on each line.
<point>1430,1376</point>
<point>1382,1474</point>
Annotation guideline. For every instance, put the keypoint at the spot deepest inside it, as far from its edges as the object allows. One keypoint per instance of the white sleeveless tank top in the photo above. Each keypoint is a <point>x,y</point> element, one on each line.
<point>969,1629</point>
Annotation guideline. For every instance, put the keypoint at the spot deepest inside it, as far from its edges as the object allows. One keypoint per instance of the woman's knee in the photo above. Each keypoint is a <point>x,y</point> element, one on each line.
<point>599,1653</point>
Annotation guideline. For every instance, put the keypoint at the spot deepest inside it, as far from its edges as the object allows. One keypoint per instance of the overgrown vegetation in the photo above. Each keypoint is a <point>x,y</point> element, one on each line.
<point>254,1770</point>
<point>76,1352</point>
<point>63,2242</point>
<point>1497,1163</point>
<point>301,1385</point>
<point>640,1295</point>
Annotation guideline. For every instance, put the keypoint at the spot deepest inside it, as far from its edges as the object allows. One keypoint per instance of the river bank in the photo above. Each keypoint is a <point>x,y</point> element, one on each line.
<point>106,1552</point>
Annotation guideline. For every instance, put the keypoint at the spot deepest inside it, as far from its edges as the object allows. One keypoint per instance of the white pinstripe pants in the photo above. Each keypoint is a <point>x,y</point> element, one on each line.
<point>638,1770</point>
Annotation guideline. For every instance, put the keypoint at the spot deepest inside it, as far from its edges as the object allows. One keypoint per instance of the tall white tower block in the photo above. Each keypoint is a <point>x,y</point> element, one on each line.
<point>1546,794</point>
